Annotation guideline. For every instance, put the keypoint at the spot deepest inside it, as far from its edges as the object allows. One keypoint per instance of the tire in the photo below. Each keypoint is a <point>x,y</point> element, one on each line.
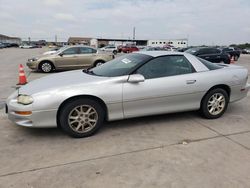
<point>236,58</point>
<point>209,103</point>
<point>114,52</point>
<point>226,61</point>
<point>46,67</point>
<point>99,63</point>
<point>82,123</point>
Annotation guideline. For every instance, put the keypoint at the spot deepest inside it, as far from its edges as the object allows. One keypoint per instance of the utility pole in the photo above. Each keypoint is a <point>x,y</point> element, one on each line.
<point>133,33</point>
<point>55,38</point>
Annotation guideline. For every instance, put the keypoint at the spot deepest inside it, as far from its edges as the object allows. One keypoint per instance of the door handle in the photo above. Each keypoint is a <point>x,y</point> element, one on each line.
<point>190,81</point>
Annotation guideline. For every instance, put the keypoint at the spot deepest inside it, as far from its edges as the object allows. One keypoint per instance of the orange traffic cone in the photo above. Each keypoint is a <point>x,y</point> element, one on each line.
<point>22,77</point>
<point>232,60</point>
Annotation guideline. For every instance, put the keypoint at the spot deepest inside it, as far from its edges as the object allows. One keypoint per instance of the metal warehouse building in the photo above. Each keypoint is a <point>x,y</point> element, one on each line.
<point>11,40</point>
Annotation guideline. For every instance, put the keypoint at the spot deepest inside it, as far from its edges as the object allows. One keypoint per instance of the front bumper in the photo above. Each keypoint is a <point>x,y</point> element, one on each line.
<point>32,65</point>
<point>37,119</point>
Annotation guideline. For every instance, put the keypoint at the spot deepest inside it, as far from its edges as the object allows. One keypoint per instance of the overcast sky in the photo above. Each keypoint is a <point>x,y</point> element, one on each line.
<point>202,21</point>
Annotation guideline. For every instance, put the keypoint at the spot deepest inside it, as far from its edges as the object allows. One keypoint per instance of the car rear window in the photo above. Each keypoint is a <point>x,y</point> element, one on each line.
<point>209,65</point>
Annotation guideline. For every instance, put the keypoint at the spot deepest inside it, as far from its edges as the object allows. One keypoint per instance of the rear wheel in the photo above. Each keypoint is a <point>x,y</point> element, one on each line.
<point>236,58</point>
<point>115,52</point>
<point>214,104</point>
<point>81,117</point>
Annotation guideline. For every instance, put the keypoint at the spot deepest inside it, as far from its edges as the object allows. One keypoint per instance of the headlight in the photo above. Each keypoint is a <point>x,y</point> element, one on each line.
<point>33,59</point>
<point>24,99</point>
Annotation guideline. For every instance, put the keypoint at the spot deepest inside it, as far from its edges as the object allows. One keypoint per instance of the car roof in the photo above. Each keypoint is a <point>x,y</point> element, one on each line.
<point>157,53</point>
<point>69,46</point>
<point>199,67</point>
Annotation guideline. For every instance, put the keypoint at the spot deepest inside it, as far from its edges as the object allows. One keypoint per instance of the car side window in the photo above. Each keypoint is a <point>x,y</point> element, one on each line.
<point>202,51</point>
<point>85,50</point>
<point>70,51</point>
<point>166,66</point>
<point>214,51</point>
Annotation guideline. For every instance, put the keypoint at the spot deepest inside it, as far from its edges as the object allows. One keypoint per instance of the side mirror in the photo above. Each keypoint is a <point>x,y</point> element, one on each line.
<point>61,54</point>
<point>136,78</point>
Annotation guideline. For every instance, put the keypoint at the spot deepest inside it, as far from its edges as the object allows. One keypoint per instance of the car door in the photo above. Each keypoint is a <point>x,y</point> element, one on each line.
<point>87,56</point>
<point>170,86</point>
<point>215,55</point>
<point>210,54</point>
<point>205,53</point>
<point>68,58</point>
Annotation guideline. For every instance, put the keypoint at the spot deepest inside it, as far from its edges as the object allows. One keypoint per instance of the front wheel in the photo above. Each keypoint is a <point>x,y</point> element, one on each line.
<point>214,104</point>
<point>98,63</point>
<point>81,117</point>
<point>46,67</point>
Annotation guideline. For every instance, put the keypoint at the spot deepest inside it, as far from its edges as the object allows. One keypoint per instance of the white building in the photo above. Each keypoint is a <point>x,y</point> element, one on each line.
<point>178,43</point>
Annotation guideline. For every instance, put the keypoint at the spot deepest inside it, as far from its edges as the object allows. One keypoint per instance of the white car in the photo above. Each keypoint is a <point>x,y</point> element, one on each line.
<point>26,46</point>
<point>112,49</point>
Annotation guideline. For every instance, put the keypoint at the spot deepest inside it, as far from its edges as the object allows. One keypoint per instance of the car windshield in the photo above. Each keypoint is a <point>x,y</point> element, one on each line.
<point>192,50</point>
<point>121,65</point>
<point>62,49</point>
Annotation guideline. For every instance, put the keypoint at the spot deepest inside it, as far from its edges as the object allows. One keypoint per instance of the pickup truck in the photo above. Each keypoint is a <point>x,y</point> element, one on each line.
<point>233,52</point>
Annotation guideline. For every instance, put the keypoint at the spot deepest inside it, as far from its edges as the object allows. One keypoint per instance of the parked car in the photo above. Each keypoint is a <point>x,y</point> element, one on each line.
<point>119,48</point>
<point>129,49</point>
<point>70,57</point>
<point>233,51</point>
<point>9,45</point>
<point>26,46</point>
<point>214,55</point>
<point>246,51</point>
<point>128,86</point>
<point>183,49</point>
<point>112,49</point>
<point>150,48</point>
<point>2,45</point>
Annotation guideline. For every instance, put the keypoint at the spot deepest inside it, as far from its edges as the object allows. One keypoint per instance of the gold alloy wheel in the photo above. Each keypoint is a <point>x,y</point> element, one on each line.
<point>216,104</point>
<point>83,118</point>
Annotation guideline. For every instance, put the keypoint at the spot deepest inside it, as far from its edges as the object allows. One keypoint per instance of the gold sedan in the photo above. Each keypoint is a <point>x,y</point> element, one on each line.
<point>70,57</point>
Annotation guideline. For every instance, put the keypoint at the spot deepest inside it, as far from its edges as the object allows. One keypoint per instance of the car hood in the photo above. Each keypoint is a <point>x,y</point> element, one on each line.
<point>59,80</point>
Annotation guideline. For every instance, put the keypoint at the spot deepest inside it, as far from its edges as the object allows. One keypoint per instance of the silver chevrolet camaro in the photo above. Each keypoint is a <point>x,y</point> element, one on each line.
<point>132,85</point>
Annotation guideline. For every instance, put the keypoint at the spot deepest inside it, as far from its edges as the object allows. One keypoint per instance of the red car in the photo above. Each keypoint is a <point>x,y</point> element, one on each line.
<point>129,49</point>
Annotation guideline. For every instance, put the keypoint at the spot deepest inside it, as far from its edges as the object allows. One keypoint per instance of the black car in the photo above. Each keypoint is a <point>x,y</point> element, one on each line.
<point>183,49</point>
<point>233,52</point>
<point>214,55</point>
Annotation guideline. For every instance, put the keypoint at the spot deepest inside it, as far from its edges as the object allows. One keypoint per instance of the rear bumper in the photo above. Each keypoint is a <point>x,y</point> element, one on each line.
<point>238,92</point>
